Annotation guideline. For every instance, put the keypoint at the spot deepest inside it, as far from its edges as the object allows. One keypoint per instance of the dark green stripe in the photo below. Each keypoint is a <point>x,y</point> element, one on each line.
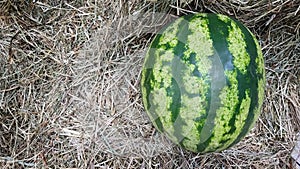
<point>244,83</point>
<point>192,61</point>
<point>218,33</point>
<point>148,77</point>
<point>201,147</point>
<point>251,83</point>
<point>174,92</point>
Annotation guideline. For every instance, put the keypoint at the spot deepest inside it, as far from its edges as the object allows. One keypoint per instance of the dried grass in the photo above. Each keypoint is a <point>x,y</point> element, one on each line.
<point>69,84</point>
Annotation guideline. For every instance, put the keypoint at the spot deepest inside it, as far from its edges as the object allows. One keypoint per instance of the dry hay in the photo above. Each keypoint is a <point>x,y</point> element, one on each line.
<point>69,84</point>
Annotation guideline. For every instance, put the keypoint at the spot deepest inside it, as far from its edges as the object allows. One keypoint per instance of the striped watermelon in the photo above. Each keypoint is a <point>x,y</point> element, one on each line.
<point>203,82</point>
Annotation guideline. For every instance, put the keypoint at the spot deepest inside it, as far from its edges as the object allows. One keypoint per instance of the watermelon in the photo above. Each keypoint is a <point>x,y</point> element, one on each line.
<point>203,82</point>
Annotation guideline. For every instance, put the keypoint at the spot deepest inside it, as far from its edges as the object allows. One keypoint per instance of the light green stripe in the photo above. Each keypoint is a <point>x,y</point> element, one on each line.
<point>170,34</point>
<point>190,110</point>
<point>237,47</point>
<point>162,73</point>
<point>240,121</point>
<point>193,108</point>
<point>161,103</point>
<point>200,43</point>
<point>224,18</point>
<point>261,82</point>
<point>229,100</point>
<point>259,59</point>
<point>261,88</point>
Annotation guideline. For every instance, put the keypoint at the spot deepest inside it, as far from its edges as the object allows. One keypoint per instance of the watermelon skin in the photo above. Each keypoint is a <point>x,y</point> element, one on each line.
<point>203,82</point>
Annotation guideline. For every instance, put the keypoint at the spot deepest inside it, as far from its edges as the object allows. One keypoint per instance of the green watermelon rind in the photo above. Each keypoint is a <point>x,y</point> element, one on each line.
<point>200,100</point>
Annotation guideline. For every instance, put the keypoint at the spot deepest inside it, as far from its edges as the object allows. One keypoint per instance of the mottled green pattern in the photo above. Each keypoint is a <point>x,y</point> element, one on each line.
<point>183,57</point>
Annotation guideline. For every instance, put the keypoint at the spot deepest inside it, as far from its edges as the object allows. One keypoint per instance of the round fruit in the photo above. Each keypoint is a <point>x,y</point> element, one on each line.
<point>203,81</point>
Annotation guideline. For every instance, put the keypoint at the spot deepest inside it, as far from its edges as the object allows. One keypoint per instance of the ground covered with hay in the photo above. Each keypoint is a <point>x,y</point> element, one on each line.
<point>70,93</point>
